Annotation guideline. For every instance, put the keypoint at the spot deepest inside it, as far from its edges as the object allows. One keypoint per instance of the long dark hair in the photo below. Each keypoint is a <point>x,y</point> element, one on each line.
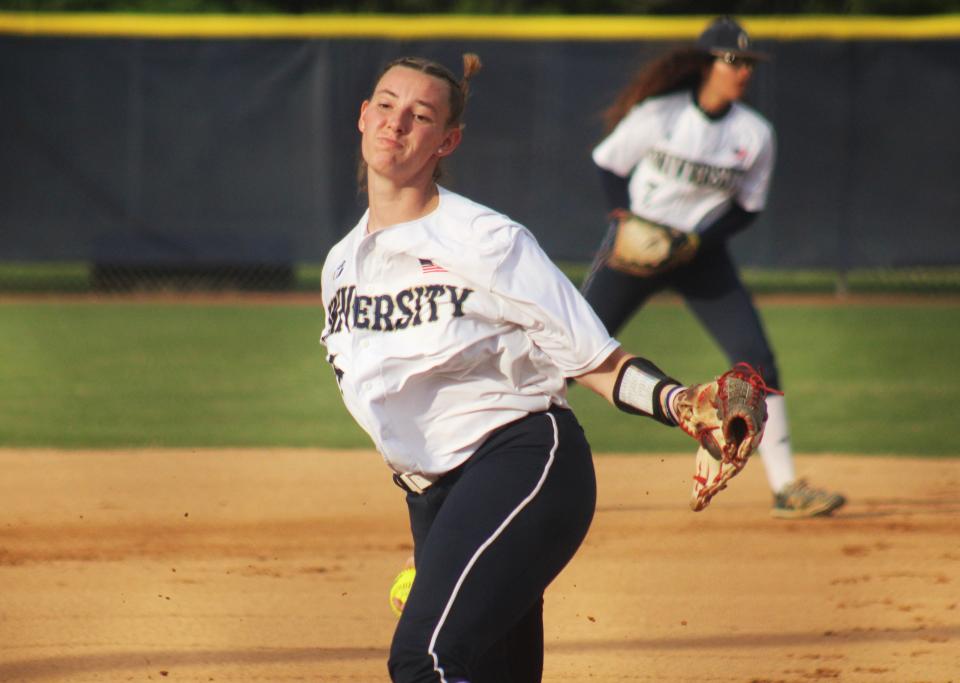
<point>459,90</point>
<point>679,69</point>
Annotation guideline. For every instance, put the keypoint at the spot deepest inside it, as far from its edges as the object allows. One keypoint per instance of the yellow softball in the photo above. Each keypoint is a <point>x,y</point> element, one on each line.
<point>401,589</point>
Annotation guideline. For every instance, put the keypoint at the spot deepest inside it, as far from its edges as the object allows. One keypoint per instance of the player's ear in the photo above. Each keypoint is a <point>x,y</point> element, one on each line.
<point>450,142</point>
<point>363,108</point>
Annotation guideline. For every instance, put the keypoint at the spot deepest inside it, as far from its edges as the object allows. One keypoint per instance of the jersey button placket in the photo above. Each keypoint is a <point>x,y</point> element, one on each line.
<point>363,254</point>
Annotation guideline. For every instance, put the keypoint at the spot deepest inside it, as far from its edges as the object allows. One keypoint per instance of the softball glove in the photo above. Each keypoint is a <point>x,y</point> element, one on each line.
<point>727,418</point>
<point>644,249</point>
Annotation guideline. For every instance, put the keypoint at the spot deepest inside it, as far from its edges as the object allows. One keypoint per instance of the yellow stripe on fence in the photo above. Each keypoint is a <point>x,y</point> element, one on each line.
<point>479,27</point>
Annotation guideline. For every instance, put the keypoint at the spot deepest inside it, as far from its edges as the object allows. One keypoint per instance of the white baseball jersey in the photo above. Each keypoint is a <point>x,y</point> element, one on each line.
<point>442,329</point>
<point>685,168</point>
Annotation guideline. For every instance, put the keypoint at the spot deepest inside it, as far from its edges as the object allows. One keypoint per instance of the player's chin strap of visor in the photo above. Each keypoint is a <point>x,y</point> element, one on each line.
<point>644,389</point>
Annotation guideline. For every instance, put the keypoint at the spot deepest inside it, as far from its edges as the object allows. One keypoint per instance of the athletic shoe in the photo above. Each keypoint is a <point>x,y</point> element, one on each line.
<point>797,500</point>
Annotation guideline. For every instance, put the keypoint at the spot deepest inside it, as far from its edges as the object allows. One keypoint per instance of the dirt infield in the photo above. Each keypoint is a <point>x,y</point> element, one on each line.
<point>274,566</point>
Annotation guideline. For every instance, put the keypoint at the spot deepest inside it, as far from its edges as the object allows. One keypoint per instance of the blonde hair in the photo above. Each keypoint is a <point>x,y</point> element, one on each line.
<point>459,91</point>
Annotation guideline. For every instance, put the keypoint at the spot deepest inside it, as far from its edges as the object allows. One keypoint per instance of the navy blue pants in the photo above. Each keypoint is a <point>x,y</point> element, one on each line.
<point>489,538</point>
<point>713,291</point>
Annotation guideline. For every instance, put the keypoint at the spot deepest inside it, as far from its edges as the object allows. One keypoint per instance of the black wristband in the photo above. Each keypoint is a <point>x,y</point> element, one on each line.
<point>635,393</point>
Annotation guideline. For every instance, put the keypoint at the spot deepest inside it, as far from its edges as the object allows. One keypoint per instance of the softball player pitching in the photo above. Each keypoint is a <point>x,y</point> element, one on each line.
<point>451,335</point>
<point>686,157</point>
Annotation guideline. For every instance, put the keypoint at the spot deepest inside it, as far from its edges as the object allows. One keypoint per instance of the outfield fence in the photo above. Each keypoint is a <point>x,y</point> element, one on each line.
<point>85,278</point>
<point>219,153</point>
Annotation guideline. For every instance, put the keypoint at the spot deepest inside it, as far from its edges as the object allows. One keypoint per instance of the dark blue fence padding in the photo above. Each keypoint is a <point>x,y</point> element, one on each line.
<point>244,151</point>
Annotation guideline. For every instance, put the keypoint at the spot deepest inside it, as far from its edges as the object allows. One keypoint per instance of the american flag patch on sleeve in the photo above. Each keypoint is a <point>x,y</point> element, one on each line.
<point>428,266</point>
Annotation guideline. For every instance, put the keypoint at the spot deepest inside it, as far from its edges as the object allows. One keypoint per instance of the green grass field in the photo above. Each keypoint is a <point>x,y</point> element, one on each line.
<point>882,379</point>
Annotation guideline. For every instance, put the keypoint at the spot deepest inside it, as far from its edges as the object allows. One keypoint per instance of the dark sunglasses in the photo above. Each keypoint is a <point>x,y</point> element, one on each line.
<point>737,60</point>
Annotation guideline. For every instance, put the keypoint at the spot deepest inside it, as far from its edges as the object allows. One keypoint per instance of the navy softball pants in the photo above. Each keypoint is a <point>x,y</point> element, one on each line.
<point>489,538</point>
<point>712,290</point>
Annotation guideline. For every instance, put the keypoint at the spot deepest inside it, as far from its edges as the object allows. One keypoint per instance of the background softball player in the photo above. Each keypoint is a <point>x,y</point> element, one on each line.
<point>684,153</point>
<point>452,335</point>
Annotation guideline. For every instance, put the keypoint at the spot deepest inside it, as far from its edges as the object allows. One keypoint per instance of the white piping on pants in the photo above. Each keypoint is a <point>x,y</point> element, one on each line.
<point>486,544</point>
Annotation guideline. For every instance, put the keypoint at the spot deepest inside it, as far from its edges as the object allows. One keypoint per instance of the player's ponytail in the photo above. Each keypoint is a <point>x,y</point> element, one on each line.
<point>471,67</point>
<point>678,69</point>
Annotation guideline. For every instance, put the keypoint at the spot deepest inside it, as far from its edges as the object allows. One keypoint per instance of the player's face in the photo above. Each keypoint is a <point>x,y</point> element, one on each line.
<point>404,126</point>
<point>728,77</point>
